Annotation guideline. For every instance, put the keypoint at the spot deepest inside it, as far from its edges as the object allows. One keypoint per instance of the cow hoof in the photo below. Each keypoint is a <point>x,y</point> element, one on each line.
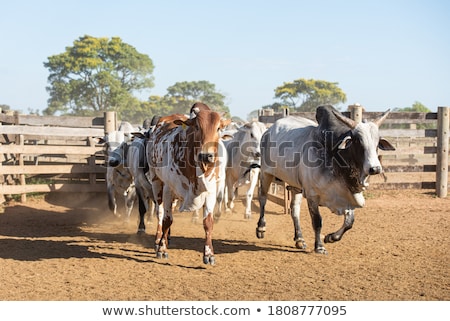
<point>141,232</point>
<point>247,216</point>
<point>300,244</point>
<point>321,250</point>
<point>209,260</point>
<point>330,238</point>
<point>161,255</point>
<point>260,233</point>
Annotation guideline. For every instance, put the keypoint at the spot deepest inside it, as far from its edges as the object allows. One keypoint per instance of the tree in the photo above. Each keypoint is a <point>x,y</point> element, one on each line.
<point>96,75</point>
<point>307,94</point>
<point>4,107</point>
<point>416,107</point>
<point>182,95</point>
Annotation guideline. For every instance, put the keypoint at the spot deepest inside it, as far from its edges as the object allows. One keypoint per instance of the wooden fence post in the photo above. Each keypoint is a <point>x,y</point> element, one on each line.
<point>356,112</point>
<point>110,121</point>
<point>20,140</point>
<point>442,152</point>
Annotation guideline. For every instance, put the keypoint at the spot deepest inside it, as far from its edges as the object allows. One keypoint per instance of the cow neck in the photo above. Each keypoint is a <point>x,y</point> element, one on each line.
<point>343,164</point>
<point>206,168</point>
<point>348,166</point>
<point>195,170</point>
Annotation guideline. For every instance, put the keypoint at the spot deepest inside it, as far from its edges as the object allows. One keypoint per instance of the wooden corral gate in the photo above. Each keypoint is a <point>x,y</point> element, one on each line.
<point>52,154</point>
<point>420,160</point>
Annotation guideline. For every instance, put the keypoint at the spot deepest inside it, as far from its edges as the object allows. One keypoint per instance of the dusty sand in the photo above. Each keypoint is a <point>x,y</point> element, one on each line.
<point>70,247</point>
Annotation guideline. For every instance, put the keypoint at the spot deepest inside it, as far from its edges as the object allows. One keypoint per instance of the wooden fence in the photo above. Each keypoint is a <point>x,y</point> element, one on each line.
<point>422,149</point>
<point>50,154</point>
<point>61,154</point>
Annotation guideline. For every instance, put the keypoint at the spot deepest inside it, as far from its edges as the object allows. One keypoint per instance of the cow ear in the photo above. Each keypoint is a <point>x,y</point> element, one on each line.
<point>99,140</point>
<point>224,123</point>
<point>345,142</point>
<point>180,122</point>
<point>138,134</point>
<point>383,144</point>
<point>226,137</point>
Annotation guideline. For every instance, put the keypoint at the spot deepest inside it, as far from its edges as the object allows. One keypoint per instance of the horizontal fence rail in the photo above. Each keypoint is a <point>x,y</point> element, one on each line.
<point>43,154</point>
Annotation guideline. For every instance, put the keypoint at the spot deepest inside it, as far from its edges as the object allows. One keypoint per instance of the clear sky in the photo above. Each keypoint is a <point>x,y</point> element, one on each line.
<point>383,54</point>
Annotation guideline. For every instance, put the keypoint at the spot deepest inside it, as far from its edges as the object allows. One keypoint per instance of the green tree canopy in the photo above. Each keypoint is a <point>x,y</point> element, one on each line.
<point>175,101</point>
<point>416,107</point>
<point>97,75</point>
<point>182,95</point>
<point>306,94</point>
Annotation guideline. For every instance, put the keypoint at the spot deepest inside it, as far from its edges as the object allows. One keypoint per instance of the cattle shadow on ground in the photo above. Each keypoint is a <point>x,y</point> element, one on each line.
<point>36,250</point>
<point>30,234</point>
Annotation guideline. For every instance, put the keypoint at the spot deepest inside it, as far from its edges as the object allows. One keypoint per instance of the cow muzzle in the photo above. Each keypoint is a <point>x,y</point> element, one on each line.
<point>375,170</point>
<point>206,158</point>
<point>113,162</point>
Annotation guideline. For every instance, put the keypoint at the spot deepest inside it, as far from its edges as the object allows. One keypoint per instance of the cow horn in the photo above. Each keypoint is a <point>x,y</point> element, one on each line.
<point>349,122</point>
<point>382,118</point>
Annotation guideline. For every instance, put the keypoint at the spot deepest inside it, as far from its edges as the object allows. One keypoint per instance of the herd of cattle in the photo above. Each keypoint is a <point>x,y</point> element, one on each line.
<point>197,161</point>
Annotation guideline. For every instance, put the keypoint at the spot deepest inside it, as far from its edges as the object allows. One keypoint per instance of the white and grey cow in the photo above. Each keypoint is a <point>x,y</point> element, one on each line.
<point>329,162</point>
<point>119,181</point>
<point>244,153</point>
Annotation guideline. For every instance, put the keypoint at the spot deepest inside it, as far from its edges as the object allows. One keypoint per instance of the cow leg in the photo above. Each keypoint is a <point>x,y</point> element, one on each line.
<point>219,201</point>
<point>208,254</point>
<point>296,201</point>
<point>225,199</point>
<point>265,181</point>
<point>249,196</point>
<point>130,198</point>
<point>316,219</point>
<point>151,212</point>
<point>208,224</point>
<point>142,211</point>
<point>232,191</point>
<point>112,204</point>
<point>167,220</point>
<point>195,216</point>
<point>157,188</point>
<point>349,218</point>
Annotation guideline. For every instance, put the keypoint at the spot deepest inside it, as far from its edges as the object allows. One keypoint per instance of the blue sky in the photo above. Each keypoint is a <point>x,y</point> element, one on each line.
<point>383,54</point>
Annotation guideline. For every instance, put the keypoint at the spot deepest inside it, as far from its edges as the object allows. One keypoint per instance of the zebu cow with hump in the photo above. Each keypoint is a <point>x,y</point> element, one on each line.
<point>244,153</point>
<point>329,163</point>
<point>183,161</point>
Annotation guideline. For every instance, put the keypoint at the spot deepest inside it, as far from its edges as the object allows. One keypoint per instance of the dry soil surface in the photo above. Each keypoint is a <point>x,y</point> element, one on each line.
<point>70,247</point>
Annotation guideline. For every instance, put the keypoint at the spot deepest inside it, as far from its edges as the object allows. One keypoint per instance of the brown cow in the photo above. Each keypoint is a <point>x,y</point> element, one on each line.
<point>184,163</point>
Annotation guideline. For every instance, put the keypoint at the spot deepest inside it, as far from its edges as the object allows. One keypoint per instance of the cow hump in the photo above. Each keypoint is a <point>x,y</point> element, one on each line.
<point>328,122</point>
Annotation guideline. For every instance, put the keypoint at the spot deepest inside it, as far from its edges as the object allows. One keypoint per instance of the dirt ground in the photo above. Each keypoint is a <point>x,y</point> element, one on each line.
<point>70,247</point>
